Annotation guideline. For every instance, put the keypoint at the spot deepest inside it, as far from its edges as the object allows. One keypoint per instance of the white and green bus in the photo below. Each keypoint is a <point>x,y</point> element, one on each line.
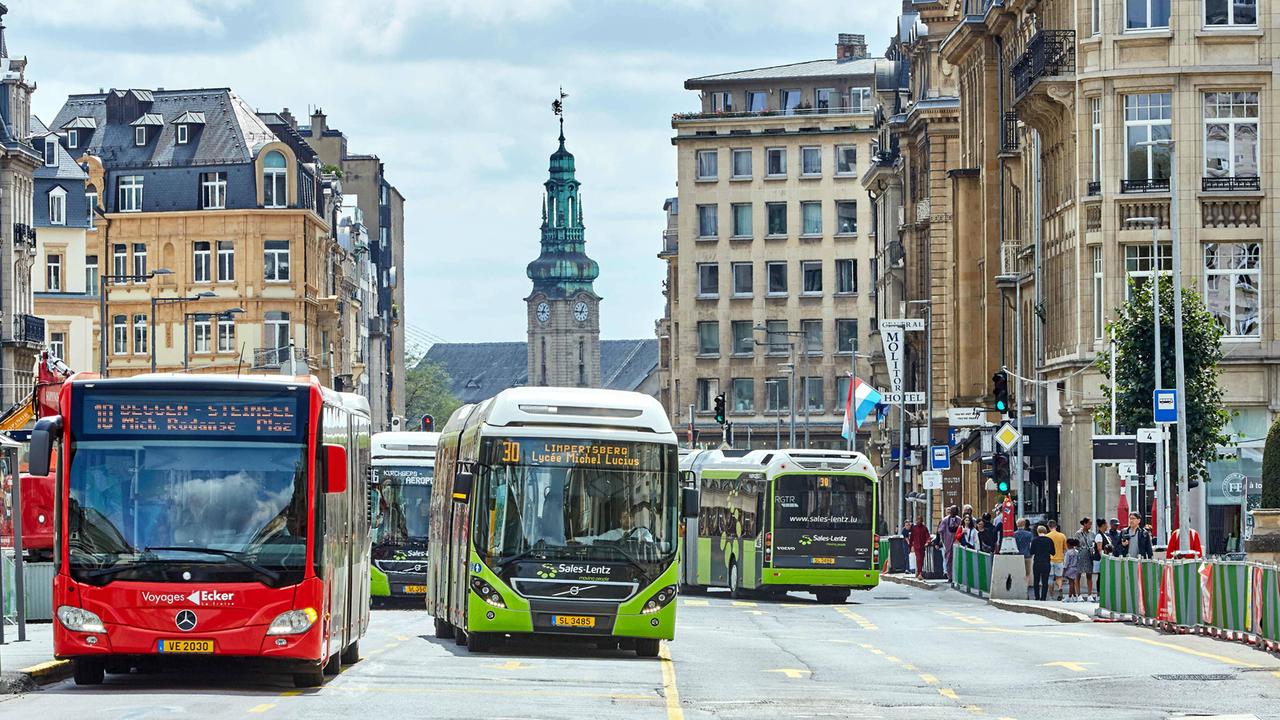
<point>774,521</point>
<point>399,499</point>
<point>556,511</point>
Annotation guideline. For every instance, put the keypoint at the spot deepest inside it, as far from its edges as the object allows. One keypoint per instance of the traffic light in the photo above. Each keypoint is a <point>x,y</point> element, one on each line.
<point>1000,391</point>
<point>996,469</point>
<point>720,408</point>
<point>428,423</point>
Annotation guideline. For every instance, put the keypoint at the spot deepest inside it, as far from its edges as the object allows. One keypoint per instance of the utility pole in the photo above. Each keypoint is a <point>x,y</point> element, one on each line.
<point>1179,360</point>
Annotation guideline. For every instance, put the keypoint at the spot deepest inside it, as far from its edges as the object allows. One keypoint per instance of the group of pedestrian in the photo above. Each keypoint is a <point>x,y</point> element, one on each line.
<point>1075,563</point>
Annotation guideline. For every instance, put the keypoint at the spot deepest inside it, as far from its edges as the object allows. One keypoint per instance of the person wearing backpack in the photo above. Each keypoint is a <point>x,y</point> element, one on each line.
<point>1085,560</point>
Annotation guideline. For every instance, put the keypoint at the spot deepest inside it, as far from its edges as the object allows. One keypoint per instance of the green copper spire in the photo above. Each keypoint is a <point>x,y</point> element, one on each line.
<point>563,268</point>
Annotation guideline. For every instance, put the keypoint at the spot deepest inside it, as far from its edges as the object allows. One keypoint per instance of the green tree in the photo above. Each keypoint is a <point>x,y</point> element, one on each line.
<point>1271,468</point>
<point>426,391</point>
<point>1133,332</point>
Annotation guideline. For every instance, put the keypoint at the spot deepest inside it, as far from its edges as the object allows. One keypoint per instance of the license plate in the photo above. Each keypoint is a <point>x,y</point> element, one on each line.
<point>203,647</point>
<point>824,561</point>
<point>583,621</point>
<point>415,589</point>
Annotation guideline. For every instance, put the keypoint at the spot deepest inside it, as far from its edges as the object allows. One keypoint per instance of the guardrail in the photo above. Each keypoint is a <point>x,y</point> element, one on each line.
<point>971,570</point>
<point>1233,600</point>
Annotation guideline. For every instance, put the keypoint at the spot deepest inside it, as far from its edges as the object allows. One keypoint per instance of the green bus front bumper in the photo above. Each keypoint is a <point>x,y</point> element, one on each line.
<point>807,577</point>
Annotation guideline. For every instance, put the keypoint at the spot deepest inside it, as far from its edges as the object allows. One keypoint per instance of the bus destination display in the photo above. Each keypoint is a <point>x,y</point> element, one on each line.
<point>151,415</point>
<point>573,453</point>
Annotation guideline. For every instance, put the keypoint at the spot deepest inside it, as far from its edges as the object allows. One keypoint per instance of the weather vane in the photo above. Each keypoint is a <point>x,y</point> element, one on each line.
<point>557,107</point>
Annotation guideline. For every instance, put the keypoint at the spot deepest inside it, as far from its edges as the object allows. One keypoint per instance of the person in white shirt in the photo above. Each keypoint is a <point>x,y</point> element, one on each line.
<point>626,530</point>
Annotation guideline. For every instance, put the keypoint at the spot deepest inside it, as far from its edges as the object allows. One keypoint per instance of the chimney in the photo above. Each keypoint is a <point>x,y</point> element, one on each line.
<point>317,123</point>
<point>289,118</point>
<point>851,47</point>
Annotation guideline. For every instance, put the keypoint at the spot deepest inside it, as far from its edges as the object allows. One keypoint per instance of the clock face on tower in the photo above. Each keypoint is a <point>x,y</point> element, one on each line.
<point>544,312</point>
<point>580,311</point>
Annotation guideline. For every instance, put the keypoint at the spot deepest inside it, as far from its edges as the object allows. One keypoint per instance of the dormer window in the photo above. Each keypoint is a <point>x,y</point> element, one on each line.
<point>73,138</point>
<point>50,151</point>
<point>140,135</point>
<point>182,134</point>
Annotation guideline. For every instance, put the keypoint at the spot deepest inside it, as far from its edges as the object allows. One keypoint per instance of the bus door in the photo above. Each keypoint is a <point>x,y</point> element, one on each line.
<point>691,533</point>
<point>348,513</point>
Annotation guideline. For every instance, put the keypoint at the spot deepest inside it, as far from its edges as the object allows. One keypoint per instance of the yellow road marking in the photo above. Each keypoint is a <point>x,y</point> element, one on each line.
<point>743,603</point>
<point>1198,653</point>
<point>1011,631</point>
<point>402,638</point>
<point>865,623</point>
<point>510,665</point>
<point>866,645</point>
<point>893,659</point>
<point>291,693</point>
<point>697,603</point>
<point>792,673</point>
<point>1070,665</point>
<point>878,651</point>
<point>669,691</point>
<point>754,612</point>
<point>908,666</point>
<point>928,679</point>
<point>948,693</point>
<point>261,708</point>
<point>973,709</point>
<point>472,691</point>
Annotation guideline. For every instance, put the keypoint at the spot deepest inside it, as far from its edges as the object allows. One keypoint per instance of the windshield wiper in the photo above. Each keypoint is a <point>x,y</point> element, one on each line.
<point>231,555</point>
<point>120,566</point>
<point>628,557</point>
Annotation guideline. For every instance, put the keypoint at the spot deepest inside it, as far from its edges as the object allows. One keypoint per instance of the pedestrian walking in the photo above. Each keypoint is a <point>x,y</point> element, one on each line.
<point>1102,545</point>
<point>1135,539</point>
<point>919,540</point>
<point>1071,569</point>
<point>1023,537</point>
<point>1084,541</point>
<point>969,534</point>
<point>1042,549</point>
<point>1056,563</point>
<point>986,535</point>
<point>947,532</point>
<point>1113,532</point>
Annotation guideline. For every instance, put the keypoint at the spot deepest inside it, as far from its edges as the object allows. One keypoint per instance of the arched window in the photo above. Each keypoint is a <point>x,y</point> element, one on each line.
<point>274,193</point>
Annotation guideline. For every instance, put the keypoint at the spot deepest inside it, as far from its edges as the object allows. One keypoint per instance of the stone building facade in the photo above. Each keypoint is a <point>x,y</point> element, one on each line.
<point>775,232</point>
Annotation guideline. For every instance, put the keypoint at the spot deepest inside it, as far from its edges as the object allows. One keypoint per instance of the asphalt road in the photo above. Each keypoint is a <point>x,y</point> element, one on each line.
<point>894,652</point>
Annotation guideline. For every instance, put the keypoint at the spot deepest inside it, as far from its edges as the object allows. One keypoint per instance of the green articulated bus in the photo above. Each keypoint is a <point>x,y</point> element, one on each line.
<point>773,521</point>
<point>556,511</point>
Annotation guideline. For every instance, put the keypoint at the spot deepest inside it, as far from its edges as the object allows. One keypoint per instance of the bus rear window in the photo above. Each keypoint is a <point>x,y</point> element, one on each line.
<point>822,502</point>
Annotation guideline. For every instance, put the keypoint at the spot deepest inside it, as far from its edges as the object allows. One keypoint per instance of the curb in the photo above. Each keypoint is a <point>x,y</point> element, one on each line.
<point>48,672</point>
<point>909,580</point>
<point>1064,616</point>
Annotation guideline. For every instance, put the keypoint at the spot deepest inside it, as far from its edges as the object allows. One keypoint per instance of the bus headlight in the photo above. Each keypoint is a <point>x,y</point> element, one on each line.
<point>487,592</point>
<point>660,599</point>
<point>80,620</point>
<point>292,622</point>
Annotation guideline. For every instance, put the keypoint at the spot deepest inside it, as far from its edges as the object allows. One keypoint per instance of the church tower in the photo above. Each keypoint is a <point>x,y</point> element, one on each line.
<point>563,309</point>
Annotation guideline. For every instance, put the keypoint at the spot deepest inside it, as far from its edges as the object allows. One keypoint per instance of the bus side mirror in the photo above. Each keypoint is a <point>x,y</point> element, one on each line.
<point>689,498</point>
<point>335,463</point>
<point>42,437</point>
<point>462,483</point>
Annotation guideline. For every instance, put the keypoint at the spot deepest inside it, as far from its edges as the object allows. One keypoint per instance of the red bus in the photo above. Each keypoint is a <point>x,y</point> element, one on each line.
<point>199,515</point>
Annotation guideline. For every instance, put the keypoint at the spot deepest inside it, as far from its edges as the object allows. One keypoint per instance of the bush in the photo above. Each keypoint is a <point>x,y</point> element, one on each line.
<point>1271,468</point>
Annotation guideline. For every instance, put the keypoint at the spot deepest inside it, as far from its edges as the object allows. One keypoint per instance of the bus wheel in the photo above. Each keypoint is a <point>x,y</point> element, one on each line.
<point>443,629</point>
<point>351,655</point>
<point>832,597</point>
<point>333,665</point>
<point>647,647</point>
<point>477,642</point>
<point>735,582</point>
<point>309,678</point>
<point>88,671</point>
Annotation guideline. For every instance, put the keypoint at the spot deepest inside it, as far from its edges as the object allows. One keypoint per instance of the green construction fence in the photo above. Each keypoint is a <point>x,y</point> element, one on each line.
<point>971,570</point>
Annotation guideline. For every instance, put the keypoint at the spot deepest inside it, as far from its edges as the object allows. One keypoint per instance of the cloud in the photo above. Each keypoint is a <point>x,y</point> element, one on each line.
<point>108,15</point>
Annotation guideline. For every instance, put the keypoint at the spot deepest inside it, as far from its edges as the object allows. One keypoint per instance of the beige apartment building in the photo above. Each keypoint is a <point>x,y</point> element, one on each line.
<point>772,257</point>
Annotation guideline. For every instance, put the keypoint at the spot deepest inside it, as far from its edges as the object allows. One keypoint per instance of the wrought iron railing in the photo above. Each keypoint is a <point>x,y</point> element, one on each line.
<point>1009,132</point>
<point>274,357</point>
<point>28,329</point>
<point>1094,188</point>
<point>1050,52</point>
<point>1149,185</point>
<point>1244,182</point>
<point>799,111</point>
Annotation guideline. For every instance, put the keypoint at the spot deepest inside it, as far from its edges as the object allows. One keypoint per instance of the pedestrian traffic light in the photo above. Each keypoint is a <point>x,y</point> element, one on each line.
<point>720,408</point>
<point>428,423</point>
<point>1000,391</point>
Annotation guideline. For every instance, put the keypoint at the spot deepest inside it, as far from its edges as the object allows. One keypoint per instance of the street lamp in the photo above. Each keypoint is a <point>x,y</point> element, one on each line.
<point>169,301</point>
<point>1161,473</point>
<point>1179,361</point>
<point>103,282</point>
<point>186,322</point>
<point>777,401</point>
<point>792,348</point>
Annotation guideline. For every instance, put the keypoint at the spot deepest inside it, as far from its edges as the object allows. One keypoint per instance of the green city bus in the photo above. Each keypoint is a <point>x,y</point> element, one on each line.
<point>774,521</point>
<point>556,511</point>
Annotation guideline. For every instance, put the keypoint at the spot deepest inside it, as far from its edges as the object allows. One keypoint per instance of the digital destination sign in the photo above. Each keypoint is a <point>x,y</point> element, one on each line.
<point>575,453</point>
<point>136,414</point>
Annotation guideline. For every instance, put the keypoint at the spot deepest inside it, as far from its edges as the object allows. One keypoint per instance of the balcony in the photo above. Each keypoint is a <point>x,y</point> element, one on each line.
<point>273,358</point>
<point>1094,188</point>
<point>669,244</point>
<point>1050,53</point>
<point>1009,133</point>
<point>794,112</point>
<point>24,235</point>
<point>28,330</point>
<point>1231,184</point>
<point>1145,186</point>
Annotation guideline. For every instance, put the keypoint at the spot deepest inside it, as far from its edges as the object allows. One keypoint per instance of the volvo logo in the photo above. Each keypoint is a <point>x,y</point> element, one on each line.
<point>185,620</point>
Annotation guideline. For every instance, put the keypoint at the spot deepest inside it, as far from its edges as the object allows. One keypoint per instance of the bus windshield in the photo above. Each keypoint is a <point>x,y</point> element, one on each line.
<point>401,503</point>
<point>577,499</point>
<point>155,509</point>
<point>822,502</point>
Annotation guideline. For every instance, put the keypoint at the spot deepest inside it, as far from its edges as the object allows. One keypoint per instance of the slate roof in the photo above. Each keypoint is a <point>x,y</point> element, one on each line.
<point>149,119</point>
<point>478,371</point>
<point>810,69</point>
<point>67,167</point>
<point>80,122</point>
<point>189,118</point>
<point>232,132</point>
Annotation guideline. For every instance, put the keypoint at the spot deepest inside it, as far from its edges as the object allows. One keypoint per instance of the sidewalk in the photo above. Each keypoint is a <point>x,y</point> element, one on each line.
<point>1069,612</point>
<point>24,665</point>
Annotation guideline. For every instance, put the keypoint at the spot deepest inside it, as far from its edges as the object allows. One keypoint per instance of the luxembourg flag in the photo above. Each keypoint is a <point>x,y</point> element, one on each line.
<point>866,398</point>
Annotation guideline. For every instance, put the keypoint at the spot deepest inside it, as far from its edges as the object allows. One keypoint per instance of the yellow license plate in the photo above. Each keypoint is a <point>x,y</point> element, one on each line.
<point>584,621</point>
<point>204,647</point>
<point>824,561</point>
<point>416,589</point>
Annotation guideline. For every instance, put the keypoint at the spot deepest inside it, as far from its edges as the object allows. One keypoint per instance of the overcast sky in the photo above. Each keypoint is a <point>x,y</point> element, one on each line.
<point>454,95</point>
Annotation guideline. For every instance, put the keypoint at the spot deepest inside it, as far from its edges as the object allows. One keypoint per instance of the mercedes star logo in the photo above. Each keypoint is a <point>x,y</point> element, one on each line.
<point>186,621</point>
